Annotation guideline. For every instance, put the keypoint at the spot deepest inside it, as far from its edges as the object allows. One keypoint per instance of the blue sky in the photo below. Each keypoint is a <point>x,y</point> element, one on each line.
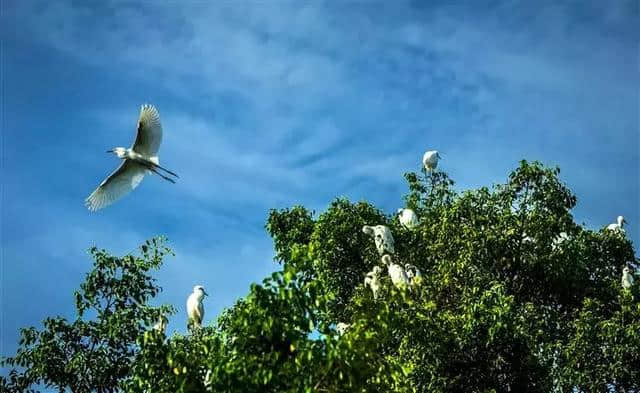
<point>271,104</point>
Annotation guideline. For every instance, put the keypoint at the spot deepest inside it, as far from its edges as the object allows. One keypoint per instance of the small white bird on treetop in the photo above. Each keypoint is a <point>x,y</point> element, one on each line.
<point>526,238</point>
<point>161,325</point>
<point>430,160</point>
<point>627,278</point>
<point>207,380</point>
<point>413,274</point>
<point>382,237</point>
<point>342,328</point>
<point>396,272</point>
<point>561,238</point>
<point>372,280</point>
<point>408,218</point>
<point>138,160</point>
<point>617,226</point>
<point>195,309</point>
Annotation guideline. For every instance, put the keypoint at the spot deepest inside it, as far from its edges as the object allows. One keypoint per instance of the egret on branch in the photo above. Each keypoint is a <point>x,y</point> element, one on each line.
<point>139,159</point>
<point>381,236</point>
<point>627,278</point>
<point>372,279</point>
<point>561,238</point>
<point>430,160</point>
<point>617,226</point>
<point>161,325</point>
<point>413,274</point>
<point>342,328</point>
<point>408,218</point>
<point>396,272</point>
<point>195,309</point>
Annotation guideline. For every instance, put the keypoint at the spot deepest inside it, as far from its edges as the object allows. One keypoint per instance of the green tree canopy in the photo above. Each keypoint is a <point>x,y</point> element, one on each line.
<point>515,296</point>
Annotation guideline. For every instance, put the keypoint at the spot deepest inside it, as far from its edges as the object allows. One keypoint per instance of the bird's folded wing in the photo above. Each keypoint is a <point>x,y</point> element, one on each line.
<point>149,134</point>
<point>123,180</point>
<point>199,312</point>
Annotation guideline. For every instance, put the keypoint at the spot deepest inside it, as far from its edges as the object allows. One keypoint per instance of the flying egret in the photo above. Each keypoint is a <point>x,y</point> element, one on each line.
<point>372,279</point>
<point>161,325</point>
<point>430,160</point>
<point>396,272</point>
<point>137,160</point>
<point>413,274</point>
<point>627,278</point>
<point>342,328</point>
<point>408,218</point>
<point>617,226</point>
<point>382,237</point>
<point>195,310</point>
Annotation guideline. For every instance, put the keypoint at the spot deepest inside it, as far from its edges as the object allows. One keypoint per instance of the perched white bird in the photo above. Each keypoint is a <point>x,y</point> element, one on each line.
<point>618,226</point>
<point>561,238</point>
<point>207,380</point>
<point>396,272</point>
<point>372,279</point>
<point>342,328</point>
<point>430,160</point>
<point>526,238</point>
<point>408,218</point>
<point>413,274</point>
<point>627,278</point>
<point>139,159</point>
<point>161,325</point>
<point>195,310</point>
<point>382,237</point>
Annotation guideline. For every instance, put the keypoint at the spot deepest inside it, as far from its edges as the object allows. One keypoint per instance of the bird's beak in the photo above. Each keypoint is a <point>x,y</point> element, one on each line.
<point>206,294</point>
<point>110,151</point>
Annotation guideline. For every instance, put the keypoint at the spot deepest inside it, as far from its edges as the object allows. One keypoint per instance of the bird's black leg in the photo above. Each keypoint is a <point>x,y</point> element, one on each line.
<point>152,169</point>
<point>163,176</point>
<point>166,170</point>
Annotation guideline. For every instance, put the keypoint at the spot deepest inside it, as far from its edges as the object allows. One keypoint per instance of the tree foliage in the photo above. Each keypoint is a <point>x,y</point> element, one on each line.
<point>95,352</point>
<point>507,303</point>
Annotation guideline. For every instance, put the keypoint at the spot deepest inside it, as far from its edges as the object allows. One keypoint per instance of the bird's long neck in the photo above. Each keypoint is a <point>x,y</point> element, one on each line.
<point>134,156</point>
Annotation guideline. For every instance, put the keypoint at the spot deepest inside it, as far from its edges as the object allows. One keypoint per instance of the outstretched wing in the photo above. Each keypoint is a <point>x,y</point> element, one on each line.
<point>149,133</point>
<point>122,181</point>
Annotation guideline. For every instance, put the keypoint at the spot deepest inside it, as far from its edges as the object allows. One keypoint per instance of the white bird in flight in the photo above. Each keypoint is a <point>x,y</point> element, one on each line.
<point>627,278</point>
<point>617,226</point>
<point>396,272</point>
<point>408,218</point>
<point>139,159</point>
<point>372,280</point>
<point>430,160</point>
<point>195,309</point>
